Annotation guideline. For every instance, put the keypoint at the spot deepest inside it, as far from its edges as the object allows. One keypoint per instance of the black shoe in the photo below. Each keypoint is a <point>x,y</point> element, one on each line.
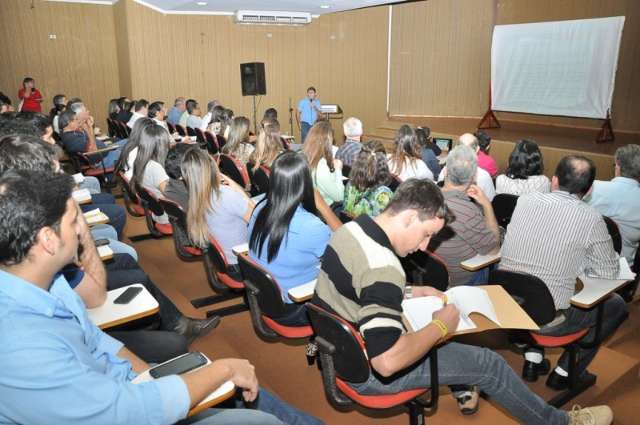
<point>531,370</point>
<point>559,382</point>
<point>194,328</point>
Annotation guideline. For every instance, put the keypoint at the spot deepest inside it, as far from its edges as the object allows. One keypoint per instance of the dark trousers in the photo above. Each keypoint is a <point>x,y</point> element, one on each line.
<point>152,346</point>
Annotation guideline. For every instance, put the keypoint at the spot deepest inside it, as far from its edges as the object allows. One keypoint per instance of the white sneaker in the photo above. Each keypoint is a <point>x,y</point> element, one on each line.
<point>596,415</point>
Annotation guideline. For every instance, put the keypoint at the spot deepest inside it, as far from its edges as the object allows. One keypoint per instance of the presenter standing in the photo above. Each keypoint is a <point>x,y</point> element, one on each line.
<point>308,109</point>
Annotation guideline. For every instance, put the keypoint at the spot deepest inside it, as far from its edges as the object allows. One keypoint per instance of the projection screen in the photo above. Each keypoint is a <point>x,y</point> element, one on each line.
<point>556,68</point>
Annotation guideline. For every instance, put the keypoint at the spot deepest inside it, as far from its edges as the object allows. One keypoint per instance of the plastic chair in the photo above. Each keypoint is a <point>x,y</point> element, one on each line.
<point>191,132</point>
<point>131,201</point>
<point>614,232</point>
<point>426,268</point>
<point>200,138</point>
<point>344,360</point>
<point>124,130</point>
<point>212,143</point>
<point>503,206</point>
<point>171,127</point>
<point>265,302</point>
<point>235,170</point>
<point>181,130</point>
<point>152,205</point>
<point>178,219</point>
<point>112,128</point>
<point>221,140</point>
<point>395,182</point>
<point>259,179</point>
<point>535,299</point>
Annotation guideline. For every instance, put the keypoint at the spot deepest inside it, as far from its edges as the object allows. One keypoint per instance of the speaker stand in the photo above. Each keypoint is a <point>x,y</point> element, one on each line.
<point>255,123</point>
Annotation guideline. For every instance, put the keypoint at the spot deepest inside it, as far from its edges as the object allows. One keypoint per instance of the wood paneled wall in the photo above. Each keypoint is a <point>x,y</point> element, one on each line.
<point>343,55</point>
<point>81,61</point>
<point>439,58</point>
<point>441,55</point>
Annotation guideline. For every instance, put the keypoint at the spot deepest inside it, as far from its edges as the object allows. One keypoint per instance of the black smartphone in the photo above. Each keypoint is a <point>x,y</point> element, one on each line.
<point>179,365</point>
<point>128,295</point>
<point>101,242</point>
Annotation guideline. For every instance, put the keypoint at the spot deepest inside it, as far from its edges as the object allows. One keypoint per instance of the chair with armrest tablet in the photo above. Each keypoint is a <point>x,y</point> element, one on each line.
<point>124,130</point>
<point>131,201</point>
<point>191,132</point>
<point>152,205</point>
<point>212,143</point>
<point>171,127</point>
<point>259,179</point>
<point>181,130</point>
<point>614,232</point>
<point>535,299</point>
<point>202,142</point>
<point>178,219</point>
<point>503,206</point>
<point>235,170</point>
<point>343,360</point>
<point>426,268</point>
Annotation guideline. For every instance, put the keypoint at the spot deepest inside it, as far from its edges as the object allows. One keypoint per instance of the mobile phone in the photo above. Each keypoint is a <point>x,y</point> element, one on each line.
<point>179,365</point>
<point>101,242</point>
<point>128,295</point>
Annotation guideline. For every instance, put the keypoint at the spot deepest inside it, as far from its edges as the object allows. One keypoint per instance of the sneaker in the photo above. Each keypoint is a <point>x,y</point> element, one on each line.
<point>596,415</point>
<point>469,401</point>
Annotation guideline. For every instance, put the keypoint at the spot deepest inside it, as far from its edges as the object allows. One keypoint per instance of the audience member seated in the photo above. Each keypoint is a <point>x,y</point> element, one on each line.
<point>124,115</point>
<point>51,346</point>
<point>5,104</point>
<point>475,229</point>
<point>113,109</point>
<point>524,172</point>
<point>157,112</point>
<point>268,145</point>
<point>238,144</point>
<point>176,111</point>
<point>427,150</point>
<point>59,103</point>
<point>30,97</point>
<point>140,110</point>
<point>557,237</point>
<point>270,114</point>
<point>348,152</point>
<point>146,153</point>
<point>176,190</point>
<point>218,206</point>
<point>78,137</point>
<point>367,191</point>
<point>194,120</point>
<point>619,199</point>
<point>368,293</point>
<point>406,161</point>
<point>217,117</point>
<point>206,119</point>
<point>287,237</point>
<point>482,177</point>
<point>486,161</point>
<point>190,105</point>
<point>326,172</point>
<point>227,118</point>
<point>430,145</point>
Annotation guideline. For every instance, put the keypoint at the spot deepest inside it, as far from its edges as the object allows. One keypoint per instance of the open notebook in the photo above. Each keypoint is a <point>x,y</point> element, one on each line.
<point>468,299</point>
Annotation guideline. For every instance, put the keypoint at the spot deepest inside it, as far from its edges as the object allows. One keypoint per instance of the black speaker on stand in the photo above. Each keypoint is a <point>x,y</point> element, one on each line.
<point>253,84</point>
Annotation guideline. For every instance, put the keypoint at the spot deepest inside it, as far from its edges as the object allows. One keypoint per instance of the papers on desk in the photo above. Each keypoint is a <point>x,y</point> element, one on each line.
<point>96,217</point>
<point>82,196</point>
<point>303,292</point>
<point>240,249</point>
<point>105,252</point>
<point>480,261</point>
<point>468,299</point>
<point>110,314</point>
<point>595,289</point>
<point>78,178</point>
<point>223,392</point>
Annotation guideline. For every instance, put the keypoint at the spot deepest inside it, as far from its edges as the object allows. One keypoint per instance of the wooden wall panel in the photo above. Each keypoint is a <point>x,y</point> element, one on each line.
<point>81,61</point>
<point>440,53</point>
<point>626,97</point>
<point>343,55</point>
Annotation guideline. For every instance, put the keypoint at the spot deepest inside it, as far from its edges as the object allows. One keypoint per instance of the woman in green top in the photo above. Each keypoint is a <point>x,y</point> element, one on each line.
<point>367,191</point>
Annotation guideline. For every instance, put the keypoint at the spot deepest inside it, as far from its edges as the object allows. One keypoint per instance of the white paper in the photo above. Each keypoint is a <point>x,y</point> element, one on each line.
<point>81,195</point>
<point>480,260</point>
<point>105,251</point>
<point>78,177</point>
<point>240,249</point>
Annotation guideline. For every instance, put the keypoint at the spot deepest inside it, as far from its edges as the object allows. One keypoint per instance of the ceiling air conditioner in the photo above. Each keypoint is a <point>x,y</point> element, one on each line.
<point>263,17</point>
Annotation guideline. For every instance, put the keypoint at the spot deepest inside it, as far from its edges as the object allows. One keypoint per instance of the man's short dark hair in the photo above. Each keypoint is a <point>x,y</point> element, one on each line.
<point>4,99</point>
<point>65,118</point>
<point>32,123</point>
<point>312,88</point>
<point>29,201</point>
<point>191,105</point>
<point>575,174</point>
<point>174,160</point>
<point>26,153</point>
<point>154,108</point>
<point>421,195</point>
<point>141,103</point>
<point>57,99</point>
<point>270,114</point>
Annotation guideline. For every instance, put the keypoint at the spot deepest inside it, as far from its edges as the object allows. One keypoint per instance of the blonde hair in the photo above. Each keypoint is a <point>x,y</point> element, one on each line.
<point>202,177</point>
<point>318,145</point>
<point>238,134</point>
<point>268,147</point>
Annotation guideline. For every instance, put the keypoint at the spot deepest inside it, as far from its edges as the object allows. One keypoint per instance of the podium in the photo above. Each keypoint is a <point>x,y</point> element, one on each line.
<point>331,111</point>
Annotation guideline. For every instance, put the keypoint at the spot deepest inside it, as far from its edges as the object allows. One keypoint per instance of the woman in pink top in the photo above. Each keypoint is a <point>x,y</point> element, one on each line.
<point>485,160</point>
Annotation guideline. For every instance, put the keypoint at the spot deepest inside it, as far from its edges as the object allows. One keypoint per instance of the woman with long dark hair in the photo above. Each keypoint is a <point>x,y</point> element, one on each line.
<point>406,161</point>
<point>524,172</point>
<point>287,237</point>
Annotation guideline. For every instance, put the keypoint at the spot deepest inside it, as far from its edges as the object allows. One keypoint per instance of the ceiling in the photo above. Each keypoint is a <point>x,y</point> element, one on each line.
<point>228,7</point>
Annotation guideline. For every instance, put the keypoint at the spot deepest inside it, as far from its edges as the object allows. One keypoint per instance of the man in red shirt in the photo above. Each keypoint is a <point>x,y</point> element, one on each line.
<point>30,96</point>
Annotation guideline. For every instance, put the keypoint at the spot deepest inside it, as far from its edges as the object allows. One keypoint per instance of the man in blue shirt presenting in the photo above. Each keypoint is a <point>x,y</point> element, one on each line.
<point>308,109</point>
<point>58,367</point>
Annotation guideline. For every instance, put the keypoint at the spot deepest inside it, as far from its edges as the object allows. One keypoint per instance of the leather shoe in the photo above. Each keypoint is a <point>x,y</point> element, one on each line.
<point>531,370</point>
<point>559,382</point>
<point>194,328</point>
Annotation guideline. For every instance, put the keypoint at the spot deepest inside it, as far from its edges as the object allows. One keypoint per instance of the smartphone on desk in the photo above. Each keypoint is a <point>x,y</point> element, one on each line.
<point>128,295</point>
<point>101,242</point>
<point>179,365</point>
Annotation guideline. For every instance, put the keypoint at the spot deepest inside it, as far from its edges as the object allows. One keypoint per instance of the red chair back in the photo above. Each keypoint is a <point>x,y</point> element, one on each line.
<point>212,143</point>
<point>235,170</point>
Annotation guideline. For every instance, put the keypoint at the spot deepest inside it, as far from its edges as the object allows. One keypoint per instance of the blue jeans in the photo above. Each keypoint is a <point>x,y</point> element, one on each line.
<point>460,364</point>
<point>92,184</point>
<point>270,410</point>
<point>104,231</point>
<point>481,277</point>
<point>615,312</point>
<point>304,129</point>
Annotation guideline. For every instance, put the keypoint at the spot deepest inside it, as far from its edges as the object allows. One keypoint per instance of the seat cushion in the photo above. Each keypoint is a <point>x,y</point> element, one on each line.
<point>225,279</point>
<point>192,250</point>
<point>558,341</point>
<point>383,401</point>
<point>288,331</point>
<point>164,228</point>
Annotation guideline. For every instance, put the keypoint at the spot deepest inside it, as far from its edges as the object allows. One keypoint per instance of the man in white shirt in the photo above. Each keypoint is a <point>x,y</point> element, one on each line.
<point>619,199</point>
<point>483,179</point>
<point>140,110</point>
<point>207,117</point>
<point>157,112</point>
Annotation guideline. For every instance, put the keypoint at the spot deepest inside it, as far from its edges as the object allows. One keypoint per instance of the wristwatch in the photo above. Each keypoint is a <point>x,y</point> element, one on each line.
<point>408,292</point>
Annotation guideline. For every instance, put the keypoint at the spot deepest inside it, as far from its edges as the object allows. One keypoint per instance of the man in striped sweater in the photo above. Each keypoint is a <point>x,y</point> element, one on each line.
<point>362,281</point>
<point>557,237</point>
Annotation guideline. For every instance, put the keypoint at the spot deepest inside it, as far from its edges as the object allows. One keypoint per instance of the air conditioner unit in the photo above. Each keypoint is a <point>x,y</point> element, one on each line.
<point>263,17</point>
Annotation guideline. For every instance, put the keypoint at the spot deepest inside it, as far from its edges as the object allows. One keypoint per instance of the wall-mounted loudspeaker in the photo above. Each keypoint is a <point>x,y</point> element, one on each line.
<point>252,77</point>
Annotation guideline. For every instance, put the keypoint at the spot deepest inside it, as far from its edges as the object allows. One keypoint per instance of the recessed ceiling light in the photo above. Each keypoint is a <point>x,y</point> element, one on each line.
<point>324,6</point>
<point>201,3</point>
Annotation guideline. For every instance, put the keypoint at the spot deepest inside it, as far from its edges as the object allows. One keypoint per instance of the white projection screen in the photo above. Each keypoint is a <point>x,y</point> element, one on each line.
<point>562,68</point>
